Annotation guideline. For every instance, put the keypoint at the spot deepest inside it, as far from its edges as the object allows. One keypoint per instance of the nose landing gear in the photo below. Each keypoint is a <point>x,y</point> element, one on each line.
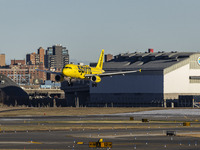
<point>70,82</point>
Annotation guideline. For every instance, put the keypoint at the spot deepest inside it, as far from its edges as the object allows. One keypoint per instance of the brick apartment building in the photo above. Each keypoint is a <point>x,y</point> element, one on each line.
<point>25,74</point>
<point>35,59</point>
<point>18,62</point>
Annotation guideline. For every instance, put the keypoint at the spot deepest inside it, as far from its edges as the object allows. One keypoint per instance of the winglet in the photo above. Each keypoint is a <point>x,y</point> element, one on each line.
<point>100,62</point>
<point>140,70</point>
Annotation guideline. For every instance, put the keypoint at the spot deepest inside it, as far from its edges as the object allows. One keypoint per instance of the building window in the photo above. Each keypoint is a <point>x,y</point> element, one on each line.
<point>194,79</point>
<point>64,51</point>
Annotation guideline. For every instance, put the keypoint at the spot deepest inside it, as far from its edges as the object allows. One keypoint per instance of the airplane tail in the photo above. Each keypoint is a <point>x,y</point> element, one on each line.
<point>100,62</point>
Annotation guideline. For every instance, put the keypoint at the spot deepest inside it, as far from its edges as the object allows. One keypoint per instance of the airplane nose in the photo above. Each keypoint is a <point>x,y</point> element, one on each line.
<point>64,71</point>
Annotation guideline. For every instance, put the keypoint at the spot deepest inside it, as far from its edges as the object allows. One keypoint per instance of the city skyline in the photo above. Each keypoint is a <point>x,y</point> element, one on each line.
<point>35,57</point>
<point>86,27</point>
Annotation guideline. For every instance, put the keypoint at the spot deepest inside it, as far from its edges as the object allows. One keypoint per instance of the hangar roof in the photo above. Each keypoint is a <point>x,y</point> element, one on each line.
<point>147,61</point>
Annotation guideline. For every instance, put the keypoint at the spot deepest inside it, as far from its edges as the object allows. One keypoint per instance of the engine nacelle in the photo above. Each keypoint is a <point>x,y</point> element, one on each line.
<point>59,78</point>
<point>95,79</point>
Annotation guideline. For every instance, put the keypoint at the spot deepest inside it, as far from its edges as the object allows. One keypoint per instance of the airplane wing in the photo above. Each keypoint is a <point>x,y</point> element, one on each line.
<point>48,71</point>
<point>113,73</point>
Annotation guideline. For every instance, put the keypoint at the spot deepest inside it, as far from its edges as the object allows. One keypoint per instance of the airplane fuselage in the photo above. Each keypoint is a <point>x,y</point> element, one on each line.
<point>79,71</point>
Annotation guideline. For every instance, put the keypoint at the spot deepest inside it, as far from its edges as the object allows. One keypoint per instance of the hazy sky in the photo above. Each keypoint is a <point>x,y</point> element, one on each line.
<point>87,26</point>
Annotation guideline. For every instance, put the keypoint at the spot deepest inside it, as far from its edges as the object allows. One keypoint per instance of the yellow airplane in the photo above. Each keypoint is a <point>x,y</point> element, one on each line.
<point>85,72</point>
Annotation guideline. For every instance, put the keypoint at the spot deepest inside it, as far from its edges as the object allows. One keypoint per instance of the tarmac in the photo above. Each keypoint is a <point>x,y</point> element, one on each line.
<point>124,133</point>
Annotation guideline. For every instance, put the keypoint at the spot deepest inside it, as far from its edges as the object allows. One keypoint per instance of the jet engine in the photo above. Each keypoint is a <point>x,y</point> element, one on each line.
<point>95,79</point>
<point>59,78</point>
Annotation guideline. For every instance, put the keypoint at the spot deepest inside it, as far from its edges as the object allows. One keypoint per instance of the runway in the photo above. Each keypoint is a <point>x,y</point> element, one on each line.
<point>63,132</point>
<point>66,140</point>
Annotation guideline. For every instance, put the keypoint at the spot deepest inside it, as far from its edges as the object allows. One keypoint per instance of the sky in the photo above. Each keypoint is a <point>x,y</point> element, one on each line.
<point>87,26</point>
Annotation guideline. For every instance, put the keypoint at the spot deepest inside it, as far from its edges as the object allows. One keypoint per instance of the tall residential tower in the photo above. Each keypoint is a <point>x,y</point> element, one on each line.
<point>56,57</point>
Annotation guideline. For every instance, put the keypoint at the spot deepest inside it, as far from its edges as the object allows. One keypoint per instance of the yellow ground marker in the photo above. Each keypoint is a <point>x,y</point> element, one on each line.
<point>79,143</point>
<point>186,123</point>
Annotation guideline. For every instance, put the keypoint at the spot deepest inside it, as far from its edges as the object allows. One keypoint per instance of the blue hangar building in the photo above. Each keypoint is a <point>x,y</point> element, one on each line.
<point>165,76</point>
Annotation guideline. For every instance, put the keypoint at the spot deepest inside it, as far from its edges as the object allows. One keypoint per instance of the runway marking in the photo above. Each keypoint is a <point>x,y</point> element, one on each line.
<point>125,144</point>
<point>13,142</point>
<point>34,142</point>
<point>13,119</point>
<point>127,135</point>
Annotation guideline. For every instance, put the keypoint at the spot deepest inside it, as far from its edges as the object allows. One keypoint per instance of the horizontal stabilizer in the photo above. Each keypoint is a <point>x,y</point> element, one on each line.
<point>48,71</point>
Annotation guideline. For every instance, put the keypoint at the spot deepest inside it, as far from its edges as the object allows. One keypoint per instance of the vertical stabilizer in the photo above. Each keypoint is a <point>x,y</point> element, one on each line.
<point>100,62</point>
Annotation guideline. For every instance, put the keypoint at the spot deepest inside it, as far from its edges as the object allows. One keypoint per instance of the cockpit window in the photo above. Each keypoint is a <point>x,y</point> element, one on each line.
<point>68,67</point>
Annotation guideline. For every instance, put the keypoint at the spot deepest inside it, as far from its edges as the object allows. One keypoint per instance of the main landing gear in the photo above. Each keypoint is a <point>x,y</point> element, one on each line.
<point>70,83</point>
